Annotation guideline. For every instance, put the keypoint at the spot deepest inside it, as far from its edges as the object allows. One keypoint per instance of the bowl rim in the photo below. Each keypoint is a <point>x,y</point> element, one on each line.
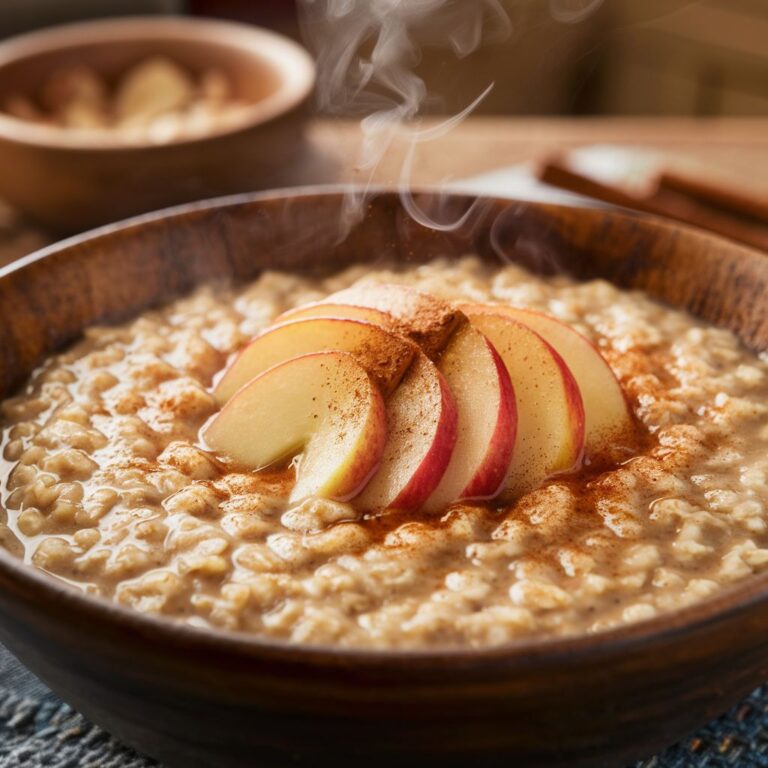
<point>291,62</point>
<point>727,602</point>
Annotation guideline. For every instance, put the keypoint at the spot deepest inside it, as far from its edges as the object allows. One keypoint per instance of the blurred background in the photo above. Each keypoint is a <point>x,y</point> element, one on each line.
<point>630,57</point>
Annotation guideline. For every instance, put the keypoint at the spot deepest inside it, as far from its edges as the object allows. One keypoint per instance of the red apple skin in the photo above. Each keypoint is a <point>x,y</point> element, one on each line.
<point>429,473</point>
<point>575,410</point>
<point>598,433</point>
<point>364,469</point>
<point>384,354</point>
<point>520,348</point>
<point>248,415</point>
<point>488,481</point>
<point>329,309</point>
<point>430,451</point>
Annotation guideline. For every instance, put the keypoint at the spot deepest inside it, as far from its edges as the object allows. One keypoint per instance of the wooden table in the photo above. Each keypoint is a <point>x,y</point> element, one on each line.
<point>732,149</point>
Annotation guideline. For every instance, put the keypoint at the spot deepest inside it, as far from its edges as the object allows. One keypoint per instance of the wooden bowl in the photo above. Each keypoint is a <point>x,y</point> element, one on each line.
<point>70,180</point>
<point>195,697</point>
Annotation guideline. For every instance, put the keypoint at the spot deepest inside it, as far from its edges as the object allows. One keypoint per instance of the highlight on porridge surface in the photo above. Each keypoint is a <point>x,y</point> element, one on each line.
<point>448,455</point>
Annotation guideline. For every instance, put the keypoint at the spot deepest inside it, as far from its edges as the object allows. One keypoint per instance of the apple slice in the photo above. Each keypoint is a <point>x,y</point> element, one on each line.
<point>487,420</point>
<point>426,319</point>
<point>324,404</point>
<point>383,354</point>
<point>330,309</point>
<point>422,420</point>
<point>606,412</point>
<point>550,412</point>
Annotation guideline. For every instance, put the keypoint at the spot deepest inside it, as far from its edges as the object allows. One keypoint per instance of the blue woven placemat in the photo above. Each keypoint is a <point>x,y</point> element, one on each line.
<point>37,730</point>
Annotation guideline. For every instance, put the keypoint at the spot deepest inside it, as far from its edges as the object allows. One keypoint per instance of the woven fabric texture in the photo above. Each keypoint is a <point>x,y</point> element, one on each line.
<point>37,730</point>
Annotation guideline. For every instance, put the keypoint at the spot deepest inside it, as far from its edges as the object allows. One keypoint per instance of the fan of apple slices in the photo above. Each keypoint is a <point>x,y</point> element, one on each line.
<point>399,400</point>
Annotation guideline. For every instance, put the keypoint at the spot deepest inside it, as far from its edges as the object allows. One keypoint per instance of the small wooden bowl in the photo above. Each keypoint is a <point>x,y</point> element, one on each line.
<point>195,697</point>
<point>70,180</point>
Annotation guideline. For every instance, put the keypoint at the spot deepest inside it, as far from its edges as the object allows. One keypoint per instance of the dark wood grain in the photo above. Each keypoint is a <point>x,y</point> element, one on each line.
<point>203,698</point>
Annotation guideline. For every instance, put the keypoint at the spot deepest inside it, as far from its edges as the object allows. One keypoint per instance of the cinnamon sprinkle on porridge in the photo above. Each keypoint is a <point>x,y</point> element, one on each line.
<point>106,484</point>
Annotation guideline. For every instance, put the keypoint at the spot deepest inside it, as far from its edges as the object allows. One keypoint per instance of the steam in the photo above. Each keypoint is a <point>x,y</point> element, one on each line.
<point>367,51</point>
<point>430,134</point>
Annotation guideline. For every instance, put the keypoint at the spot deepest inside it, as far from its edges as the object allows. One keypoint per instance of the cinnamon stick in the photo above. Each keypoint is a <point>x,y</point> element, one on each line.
<point>668,203</point>
<point>717,195</point>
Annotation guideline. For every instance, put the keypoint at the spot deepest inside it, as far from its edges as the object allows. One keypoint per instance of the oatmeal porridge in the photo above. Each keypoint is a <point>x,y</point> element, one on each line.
<point>108,483</point>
